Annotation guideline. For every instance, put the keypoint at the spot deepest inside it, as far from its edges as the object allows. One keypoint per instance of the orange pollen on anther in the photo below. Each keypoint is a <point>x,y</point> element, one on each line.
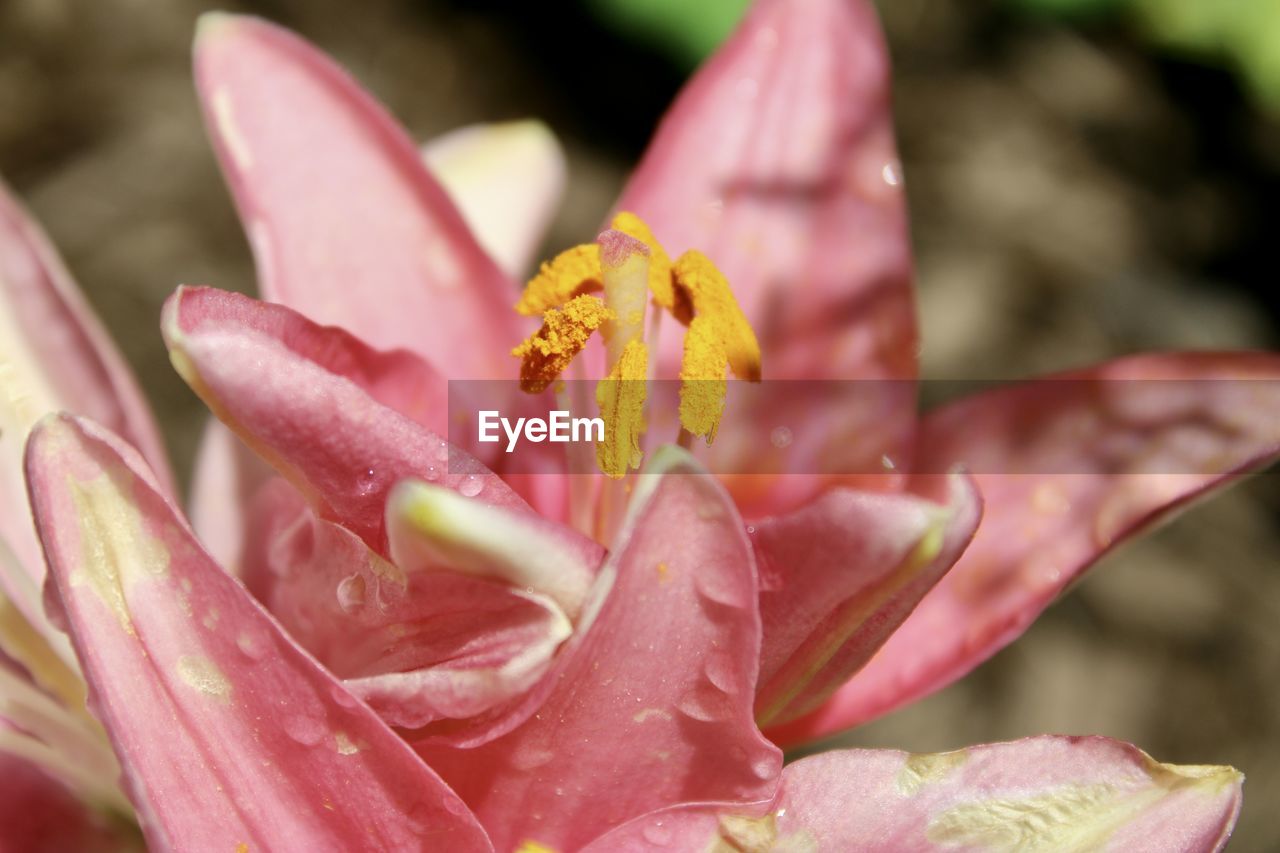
<point>571,273</point>
<point>548,351</point>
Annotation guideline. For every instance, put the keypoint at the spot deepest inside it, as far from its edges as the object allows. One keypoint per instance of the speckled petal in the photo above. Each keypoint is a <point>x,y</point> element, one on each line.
<point>418,640</point>
<point>54,354</point>
<point>346,224</point>
<point>1044,794</point>
<point>229,735</point>
<point>1104,454</point>
<point>778,162</point>
<point>838,577</point>
<point>507,180</point>
<point>651,705</point>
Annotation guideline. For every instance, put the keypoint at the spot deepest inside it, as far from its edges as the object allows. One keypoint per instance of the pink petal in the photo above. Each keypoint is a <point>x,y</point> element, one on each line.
<point>228,734</point>
<point>1106,453</point>
<point>838,577</point>
<point>226,477</point>
<point>54,354</point>
<point>417,645</point>
<point>778,162</point>
<point>652,705</point>
<point>39,814</point>
<point>345,222</point>
<point>316,403</point>
<point>1042,793</point>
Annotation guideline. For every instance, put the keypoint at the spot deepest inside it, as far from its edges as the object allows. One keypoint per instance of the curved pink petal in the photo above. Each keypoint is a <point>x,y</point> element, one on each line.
<point>1069,467</point>
<point>1042,793</point>
<point>229,734</point>
<point>226,477</point>
<point>778,162</point>
<point>838,577</point>
<point>40,815</point>
<point>54,354</point>
<point>317,404</point>
<point>652,705</point>
<point>345,222</point>
<point>417,645</point>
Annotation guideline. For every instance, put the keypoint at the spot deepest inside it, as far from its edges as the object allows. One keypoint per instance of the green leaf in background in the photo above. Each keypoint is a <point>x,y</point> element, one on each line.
<point>686,30</point>
<point>1243,35</point>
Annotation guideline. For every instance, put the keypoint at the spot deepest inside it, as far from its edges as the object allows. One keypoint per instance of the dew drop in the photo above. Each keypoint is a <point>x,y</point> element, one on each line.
<point>703,703</point>
<point>250,646</point>
<point>751,530</point>
<point>765,767</point>
<point>720,671</point>
<point>530,757</point>
<point>351,593</point>
<point>432,473</point>
<point>471,486</point>
<point>442,452</point>
<point>306,730</point>
<point>657,834</point>
<point>887,463</point>
<point>367,482</point>
<point>711,585</point>
<point>891,172</point>
<point>780,437</point>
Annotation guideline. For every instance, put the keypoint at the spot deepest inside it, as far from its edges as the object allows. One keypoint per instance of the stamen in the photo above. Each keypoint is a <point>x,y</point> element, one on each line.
<point>711,298</point>
<point>659,262</point>
<point>621,399</point>
<point>548,351</point>
<point>702,382</point>
<point>571,273</point>
<point>624,262</point>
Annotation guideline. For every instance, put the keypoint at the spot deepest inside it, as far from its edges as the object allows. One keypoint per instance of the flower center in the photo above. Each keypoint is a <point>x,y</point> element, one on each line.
<point>606,286</point>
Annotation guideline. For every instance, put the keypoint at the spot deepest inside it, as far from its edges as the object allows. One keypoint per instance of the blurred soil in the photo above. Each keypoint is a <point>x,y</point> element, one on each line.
<point>1073,199</point>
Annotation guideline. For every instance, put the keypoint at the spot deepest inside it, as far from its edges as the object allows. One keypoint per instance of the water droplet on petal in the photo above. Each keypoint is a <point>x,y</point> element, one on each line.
<point>780,437</point>
<point>892,173</point>
<point>250,646</point>
<point>720,671</point>
<point>432,474</point>
<point>887,463</point>
<point>765,767</point>
<point>657,834</point>
<point>471,486</point>
<point>530,757</point>
<point>704,703</point>
<point>367,482</point>
<point>351,593</point>
<point>306,730</point>
<point>711,585</point>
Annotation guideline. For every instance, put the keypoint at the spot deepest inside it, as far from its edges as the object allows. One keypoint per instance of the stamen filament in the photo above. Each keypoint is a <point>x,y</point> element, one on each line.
<point>624,262</point>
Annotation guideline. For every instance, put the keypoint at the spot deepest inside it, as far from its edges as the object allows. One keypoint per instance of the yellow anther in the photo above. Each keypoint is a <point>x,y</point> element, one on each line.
<point>571,273</point>
<point>710,296</point>
<point>548,351</point>
<point>528,846</point>
<point>702,382</point>
<point>621,398</point>
<point>659,262</point>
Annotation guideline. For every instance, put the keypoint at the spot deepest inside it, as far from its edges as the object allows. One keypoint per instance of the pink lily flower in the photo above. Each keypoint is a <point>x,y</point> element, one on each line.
<point>548,691</point>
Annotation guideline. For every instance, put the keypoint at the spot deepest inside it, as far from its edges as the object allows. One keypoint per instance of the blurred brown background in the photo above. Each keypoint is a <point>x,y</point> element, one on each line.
<point>1075,196</point>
